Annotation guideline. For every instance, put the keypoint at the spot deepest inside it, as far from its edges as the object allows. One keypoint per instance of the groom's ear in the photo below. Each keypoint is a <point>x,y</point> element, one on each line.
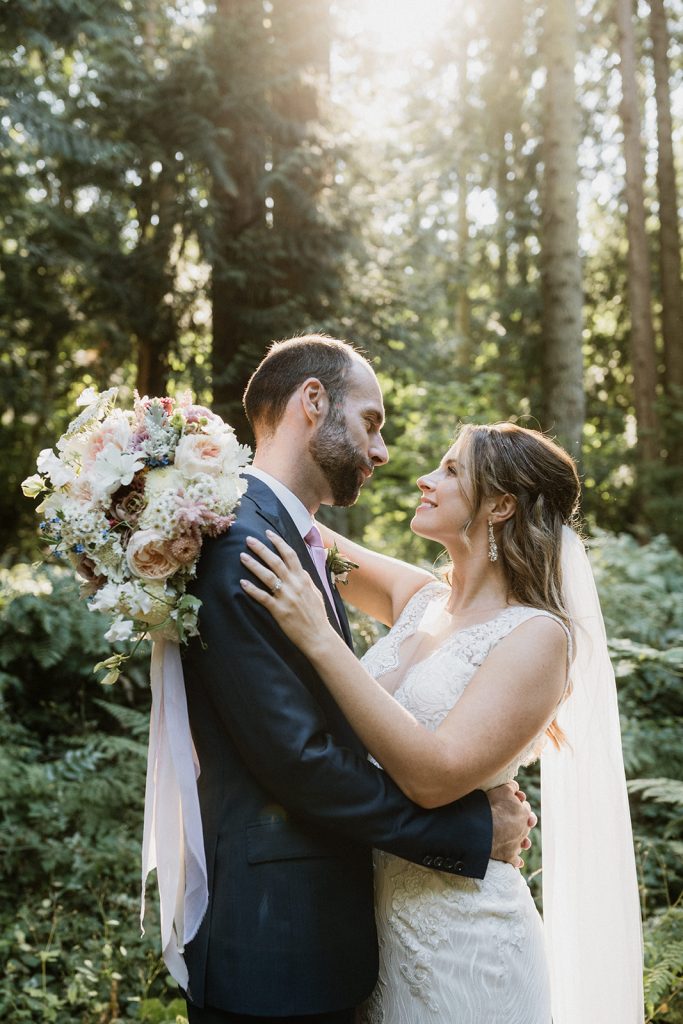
<point>502,507</point>
<point>314,400</point>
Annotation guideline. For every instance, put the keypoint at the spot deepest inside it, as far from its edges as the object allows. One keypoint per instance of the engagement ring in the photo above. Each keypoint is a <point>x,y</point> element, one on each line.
<point>277,586</point>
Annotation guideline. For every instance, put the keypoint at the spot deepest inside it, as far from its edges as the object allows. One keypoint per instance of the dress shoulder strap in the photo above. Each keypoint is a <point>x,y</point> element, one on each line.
<point>518,614</point>
<point>415,605</point>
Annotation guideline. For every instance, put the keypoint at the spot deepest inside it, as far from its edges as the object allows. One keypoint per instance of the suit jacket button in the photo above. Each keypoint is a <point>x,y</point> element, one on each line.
<point>449,864</point>
<point>459,866</point>
<point>438,862</point>
<point>428,861</point>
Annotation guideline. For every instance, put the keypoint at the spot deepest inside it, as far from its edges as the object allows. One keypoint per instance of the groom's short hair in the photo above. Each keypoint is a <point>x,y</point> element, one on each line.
<point>288,364</point>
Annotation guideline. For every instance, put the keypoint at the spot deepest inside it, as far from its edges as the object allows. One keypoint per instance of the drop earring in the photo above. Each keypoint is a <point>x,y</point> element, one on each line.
<point>493,547</point>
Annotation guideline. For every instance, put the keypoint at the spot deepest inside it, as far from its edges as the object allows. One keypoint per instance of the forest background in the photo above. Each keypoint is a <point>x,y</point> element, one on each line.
<point>483,195</point>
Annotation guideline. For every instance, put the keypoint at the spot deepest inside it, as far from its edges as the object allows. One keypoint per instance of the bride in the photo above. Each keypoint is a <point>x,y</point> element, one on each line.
<point>475,677</point>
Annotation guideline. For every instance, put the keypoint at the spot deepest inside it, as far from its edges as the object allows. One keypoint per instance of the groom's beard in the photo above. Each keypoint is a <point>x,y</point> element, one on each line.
<point>339,459</point>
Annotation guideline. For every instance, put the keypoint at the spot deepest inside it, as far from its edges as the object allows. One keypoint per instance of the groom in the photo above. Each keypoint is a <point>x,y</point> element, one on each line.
<point>290,805</point>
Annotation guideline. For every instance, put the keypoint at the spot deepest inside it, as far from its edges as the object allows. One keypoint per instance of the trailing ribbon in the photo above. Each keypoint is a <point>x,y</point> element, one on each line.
<point>173,841</point>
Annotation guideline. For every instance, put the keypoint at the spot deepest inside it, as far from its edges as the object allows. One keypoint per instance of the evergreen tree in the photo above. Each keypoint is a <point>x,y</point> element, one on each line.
<point>643,356</point>
<point>564,404</point>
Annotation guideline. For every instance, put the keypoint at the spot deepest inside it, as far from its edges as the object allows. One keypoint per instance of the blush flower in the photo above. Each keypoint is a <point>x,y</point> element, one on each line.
<point>149,556</point>
<point>199,453</point>
<point>128,497</point>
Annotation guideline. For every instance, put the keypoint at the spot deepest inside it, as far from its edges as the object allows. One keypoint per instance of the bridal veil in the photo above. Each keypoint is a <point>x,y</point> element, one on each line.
<point>590,892</point>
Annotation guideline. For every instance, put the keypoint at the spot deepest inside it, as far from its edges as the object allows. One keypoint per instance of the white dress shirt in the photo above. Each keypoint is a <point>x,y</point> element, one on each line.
<point>302,518</point>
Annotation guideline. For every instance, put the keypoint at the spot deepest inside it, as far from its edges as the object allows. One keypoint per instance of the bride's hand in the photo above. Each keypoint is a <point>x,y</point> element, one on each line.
<point>291,597</point>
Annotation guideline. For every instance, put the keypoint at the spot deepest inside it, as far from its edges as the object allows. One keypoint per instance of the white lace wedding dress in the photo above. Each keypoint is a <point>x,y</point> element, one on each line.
<point>453,950</point>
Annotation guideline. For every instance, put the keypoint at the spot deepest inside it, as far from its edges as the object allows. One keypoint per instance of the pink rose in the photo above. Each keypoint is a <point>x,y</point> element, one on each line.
<point>149,555</point>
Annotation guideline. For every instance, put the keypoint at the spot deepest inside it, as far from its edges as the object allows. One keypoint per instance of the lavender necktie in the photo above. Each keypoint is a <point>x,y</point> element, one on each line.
<point>315,545</point>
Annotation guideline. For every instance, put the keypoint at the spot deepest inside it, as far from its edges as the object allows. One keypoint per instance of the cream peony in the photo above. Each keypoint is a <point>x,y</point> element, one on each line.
<point>203,453</point>
<point>149,556</point>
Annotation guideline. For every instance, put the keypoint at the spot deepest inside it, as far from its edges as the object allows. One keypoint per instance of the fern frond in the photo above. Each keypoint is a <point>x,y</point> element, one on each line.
<point>663,791</point>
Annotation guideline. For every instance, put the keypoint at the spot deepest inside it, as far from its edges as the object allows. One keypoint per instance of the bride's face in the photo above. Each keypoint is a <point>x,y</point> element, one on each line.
<point>445,506</point>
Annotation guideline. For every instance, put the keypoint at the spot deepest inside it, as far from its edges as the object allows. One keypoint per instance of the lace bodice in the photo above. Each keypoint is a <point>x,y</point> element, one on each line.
<point>451,948</point>
<point>431,686</point>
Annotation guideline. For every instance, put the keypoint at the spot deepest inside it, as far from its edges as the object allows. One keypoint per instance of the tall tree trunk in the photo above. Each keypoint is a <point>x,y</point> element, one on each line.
<point>669,241</point>
<point>153,276</point>
<point>157,330</point>
<point>564,412</point>
<point>238,54</point>
<point>643,357</point>
<point>302,36</point>
<point>463,305</point>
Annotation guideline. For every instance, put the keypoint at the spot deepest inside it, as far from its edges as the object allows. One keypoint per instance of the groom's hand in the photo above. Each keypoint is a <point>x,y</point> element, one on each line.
<point>512,821</point>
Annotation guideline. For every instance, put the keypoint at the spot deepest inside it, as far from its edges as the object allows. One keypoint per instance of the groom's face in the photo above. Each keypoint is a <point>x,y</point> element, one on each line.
<point>348,444</point>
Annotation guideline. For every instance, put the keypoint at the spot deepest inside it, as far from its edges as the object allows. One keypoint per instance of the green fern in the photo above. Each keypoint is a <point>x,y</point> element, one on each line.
<point>663,975</point>
<point>666,791</point>
<point>135,723</point>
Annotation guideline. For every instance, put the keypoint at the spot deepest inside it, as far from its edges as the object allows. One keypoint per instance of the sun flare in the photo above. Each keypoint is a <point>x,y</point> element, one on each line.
<point>395,25</point>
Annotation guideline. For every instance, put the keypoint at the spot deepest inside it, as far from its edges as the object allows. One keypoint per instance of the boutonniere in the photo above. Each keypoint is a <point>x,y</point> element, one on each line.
<point>339,566</point>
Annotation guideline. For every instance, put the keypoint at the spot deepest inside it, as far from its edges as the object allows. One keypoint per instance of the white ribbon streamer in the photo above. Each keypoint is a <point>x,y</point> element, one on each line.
<point>590,891</point>
<point>173,841</point>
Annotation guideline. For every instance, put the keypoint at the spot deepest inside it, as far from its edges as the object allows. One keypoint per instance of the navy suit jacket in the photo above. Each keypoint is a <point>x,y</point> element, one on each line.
<point>290,805</point>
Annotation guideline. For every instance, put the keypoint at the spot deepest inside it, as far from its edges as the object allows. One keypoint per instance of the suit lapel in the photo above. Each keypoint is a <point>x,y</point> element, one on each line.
<point>341,612</point>
<point>274,512</point>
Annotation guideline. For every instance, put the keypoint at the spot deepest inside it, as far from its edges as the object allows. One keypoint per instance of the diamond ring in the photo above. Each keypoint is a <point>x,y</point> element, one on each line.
<point>277,586</point>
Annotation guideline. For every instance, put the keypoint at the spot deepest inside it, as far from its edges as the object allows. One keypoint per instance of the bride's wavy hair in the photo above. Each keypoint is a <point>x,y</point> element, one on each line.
<point>503,458</point>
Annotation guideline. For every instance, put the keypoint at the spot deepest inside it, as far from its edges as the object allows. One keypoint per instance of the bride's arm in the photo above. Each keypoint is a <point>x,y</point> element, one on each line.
<point>380,586</point>
<point>505,706</point>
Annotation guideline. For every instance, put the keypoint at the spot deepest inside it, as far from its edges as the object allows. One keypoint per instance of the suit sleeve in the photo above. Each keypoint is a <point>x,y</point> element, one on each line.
<point>252,674</point>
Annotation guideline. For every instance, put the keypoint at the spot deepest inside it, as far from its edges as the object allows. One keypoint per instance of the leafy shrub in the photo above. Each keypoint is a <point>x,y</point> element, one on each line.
<point>72,771</point>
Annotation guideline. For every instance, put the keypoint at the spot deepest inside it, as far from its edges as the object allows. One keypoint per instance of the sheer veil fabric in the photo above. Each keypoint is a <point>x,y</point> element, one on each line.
<point>590,891</point>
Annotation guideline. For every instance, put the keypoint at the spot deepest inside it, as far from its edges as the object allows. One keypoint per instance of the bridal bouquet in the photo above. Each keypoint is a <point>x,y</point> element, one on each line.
<point>128,497</point>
